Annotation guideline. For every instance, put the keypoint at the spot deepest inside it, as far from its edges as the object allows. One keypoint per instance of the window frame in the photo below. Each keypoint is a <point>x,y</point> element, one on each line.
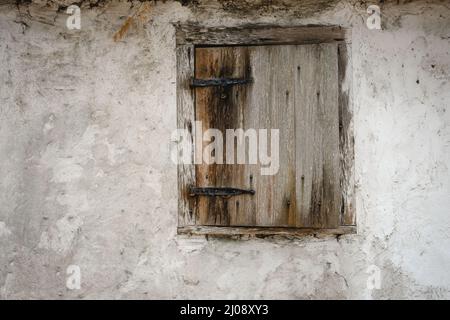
<point>188,38</point>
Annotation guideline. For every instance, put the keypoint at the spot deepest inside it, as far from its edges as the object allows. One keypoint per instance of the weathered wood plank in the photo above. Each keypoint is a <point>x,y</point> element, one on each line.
<point>187,214</point>
<point>346,141</point>
<point>264,231</point>
<point>317,137</point>
<point>272,107</point>
<point>259,35</point>
<point>222,108</point>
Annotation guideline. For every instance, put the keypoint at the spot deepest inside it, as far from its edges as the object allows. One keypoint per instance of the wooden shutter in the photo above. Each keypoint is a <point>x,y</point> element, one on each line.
<point>295,90</point>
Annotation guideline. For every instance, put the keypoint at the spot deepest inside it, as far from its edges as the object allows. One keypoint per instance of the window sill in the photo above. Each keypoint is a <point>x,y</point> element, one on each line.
<point>263,231</point>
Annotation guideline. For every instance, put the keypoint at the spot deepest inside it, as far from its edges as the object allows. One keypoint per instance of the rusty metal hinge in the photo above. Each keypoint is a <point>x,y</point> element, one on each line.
<point>218,192</point>
<point>219,82</point>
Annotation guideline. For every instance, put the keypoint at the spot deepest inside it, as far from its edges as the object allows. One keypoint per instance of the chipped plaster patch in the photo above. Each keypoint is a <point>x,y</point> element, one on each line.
<point>60,237</point>
<point>4,231</point>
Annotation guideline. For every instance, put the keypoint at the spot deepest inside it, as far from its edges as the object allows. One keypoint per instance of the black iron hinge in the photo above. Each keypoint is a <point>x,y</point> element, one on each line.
<point>218,192</point>
<point>219,82</point>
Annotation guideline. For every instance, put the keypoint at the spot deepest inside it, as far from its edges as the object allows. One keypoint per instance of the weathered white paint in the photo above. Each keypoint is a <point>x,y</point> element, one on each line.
<point>87,180</point>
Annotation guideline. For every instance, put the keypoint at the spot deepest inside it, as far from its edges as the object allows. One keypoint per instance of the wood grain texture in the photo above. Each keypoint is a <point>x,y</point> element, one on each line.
<point>187,214</point>
<point>268,103</point>
<point>317,137</point>
<point>263,232</point>
<point>346,140</point>
<point>222,108</point>
<point>259,35</point>
<point>272,107</point>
